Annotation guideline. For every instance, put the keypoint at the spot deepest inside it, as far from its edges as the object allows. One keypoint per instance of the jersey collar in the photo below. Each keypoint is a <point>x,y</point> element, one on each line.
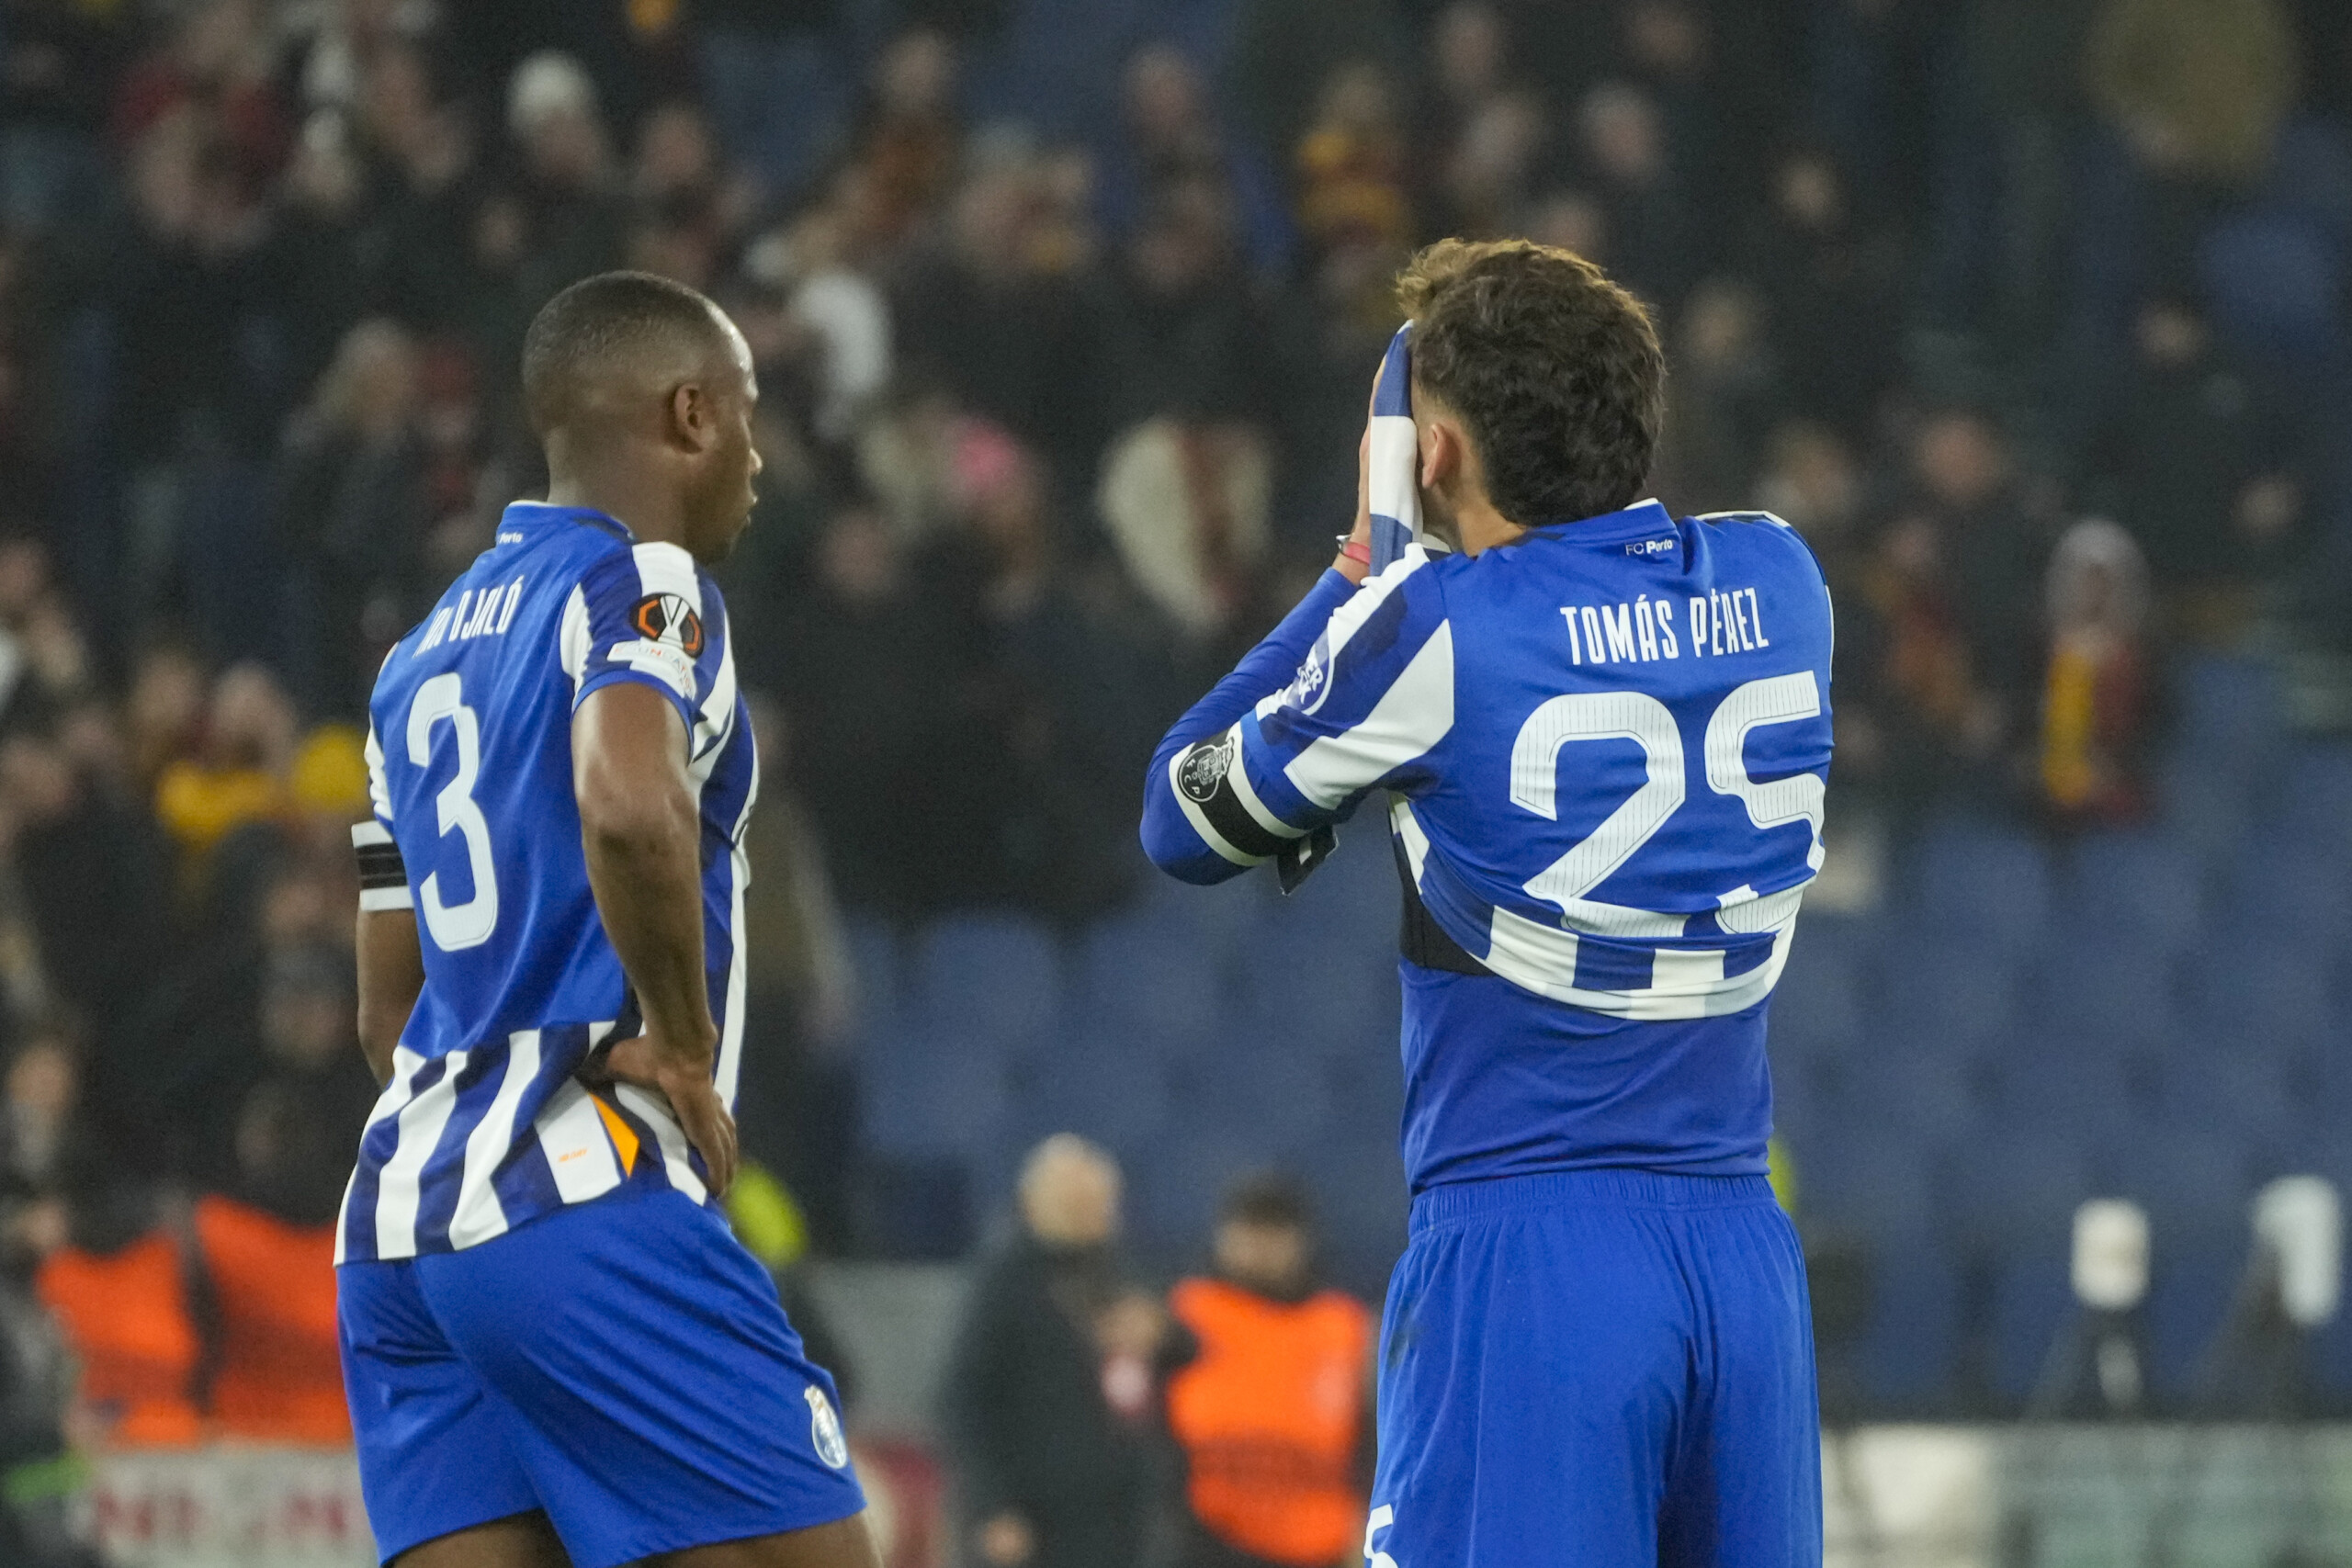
<point>1642,520</point>
<point>523,517</point>
<point>1636,522</point>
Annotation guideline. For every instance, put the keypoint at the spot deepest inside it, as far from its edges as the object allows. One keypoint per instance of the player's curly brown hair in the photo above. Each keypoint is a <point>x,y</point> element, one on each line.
<point>1556,371</point>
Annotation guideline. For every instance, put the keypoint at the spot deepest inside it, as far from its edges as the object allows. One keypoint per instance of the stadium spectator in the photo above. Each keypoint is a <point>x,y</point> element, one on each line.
<point>2100,689</point>
<point>57,64</point>
<point>574,215</point>
<point>351,505</point>
<point>1655,242</point>
<point>850,669</point>
<point>1173,139</point>
<point>88,863</point>
<point>1727,388</point>
<point>118,1289</point>
<point>1470,64</point>
<point>910,136</point>
<point>1279,44</point>
<point>1832,311</point>
<point>985,318</point>
<point>1052,1473</point>
<point>1353,177</point>
<point>2193,461</point>
<point>1272,1411</point>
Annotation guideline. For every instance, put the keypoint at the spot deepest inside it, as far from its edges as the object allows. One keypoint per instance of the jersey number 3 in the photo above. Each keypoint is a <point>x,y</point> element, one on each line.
<point>455,926</point>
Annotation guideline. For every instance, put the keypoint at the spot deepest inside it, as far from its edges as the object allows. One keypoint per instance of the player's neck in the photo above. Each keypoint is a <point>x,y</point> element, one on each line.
<point>1479,527</point>
<point>650,508</point>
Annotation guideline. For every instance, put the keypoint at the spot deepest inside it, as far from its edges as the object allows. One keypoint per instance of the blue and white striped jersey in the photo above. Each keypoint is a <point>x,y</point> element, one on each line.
<point>484,1124</point>
<point>1606,747</point>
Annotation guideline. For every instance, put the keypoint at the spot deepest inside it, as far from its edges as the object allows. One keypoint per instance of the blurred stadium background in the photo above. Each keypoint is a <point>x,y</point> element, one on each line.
<point>2032,314</point>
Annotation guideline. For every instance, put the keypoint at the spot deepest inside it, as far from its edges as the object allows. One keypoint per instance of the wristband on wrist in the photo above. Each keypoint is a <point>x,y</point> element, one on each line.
<point>1355,549</point>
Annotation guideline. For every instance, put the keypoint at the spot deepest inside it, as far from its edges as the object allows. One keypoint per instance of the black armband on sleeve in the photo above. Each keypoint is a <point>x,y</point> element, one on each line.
<point>383,879</point>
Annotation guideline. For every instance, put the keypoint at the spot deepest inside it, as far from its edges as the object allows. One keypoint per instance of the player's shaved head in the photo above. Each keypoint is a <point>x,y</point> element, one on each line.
<point>643,393</point>
<point>612,341</point>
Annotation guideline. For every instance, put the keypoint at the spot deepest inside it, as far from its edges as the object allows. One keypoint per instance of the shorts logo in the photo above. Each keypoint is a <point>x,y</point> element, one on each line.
<point>666,617</point>
<point>825,1428</point>
<point>1206,766</point>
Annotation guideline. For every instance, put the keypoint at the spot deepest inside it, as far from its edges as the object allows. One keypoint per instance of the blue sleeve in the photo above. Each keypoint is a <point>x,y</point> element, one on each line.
<point>1353,690</point>
<point>637,615</point>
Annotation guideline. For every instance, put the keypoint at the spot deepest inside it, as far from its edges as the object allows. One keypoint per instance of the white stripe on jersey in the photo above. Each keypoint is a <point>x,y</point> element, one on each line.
<point>666,1132</point>
<point>715,720</point>
<point>730,1033</point>
<point>664,569</point>
<point>1247,794</point>
<point>422,1121</point>
<point>379,789</point>
<point>1412,717</point>
<point>668,569</point>
<point>1349,617</point>
<point>579,1152</point>
<point>1684,984</point>
<point>478,1215</point>
<point>572,640</point>
<point>394,1096</point>
<point>1408,828</point>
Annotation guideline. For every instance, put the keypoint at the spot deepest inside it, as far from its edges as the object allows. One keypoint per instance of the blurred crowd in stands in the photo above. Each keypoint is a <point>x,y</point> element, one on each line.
<point>2031,314</point>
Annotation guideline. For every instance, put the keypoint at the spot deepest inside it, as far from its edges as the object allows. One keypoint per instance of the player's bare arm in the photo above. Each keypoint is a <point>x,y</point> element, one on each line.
<point>640,830</point>
<point>391,973</point>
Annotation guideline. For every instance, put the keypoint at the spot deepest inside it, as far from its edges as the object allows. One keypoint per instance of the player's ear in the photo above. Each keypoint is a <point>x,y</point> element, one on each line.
<point>690,415</point>
<point>1441,452</point>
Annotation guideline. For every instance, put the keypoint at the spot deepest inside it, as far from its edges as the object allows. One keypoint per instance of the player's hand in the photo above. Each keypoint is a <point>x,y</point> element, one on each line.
<point>684,1078</point>
<point>1356,570</point>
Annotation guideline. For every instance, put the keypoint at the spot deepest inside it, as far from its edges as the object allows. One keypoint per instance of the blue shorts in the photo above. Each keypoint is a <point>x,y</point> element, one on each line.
<point>1608,1368</point>
<point>623,1364</point>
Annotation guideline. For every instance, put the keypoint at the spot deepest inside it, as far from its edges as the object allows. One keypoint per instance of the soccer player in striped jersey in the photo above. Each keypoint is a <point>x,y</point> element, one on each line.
<point>555,1349</point>
<point>1604,735</point>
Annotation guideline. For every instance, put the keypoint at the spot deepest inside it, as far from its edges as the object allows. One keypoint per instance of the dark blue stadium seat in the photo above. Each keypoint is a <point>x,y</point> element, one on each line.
<point>873,947</point>
<point>1946,993</point>
<point>1981,884</point>
<point>1905,1358</point>
<point>2230,715</point>
<point>2285,886</point>
<point>2276,994</point>
<point>2314,802</point>
<point>926,1095</point>
<point>2203,809</point>
<point>1079,1086</point>
<point>1864,1179</point>
<point>2019,1184</point>
<point>2140,888</point>
<point>2112,986</point>
<point>992,978</point>
<point>2195,1182</point>
<point>1143,990</point>
<point>1928,1095</point>
<point>2032,1304</point>
<point>1822,1003</point>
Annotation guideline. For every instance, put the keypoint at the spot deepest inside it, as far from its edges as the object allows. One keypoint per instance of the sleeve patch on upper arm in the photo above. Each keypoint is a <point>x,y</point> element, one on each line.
<point>668,618</point>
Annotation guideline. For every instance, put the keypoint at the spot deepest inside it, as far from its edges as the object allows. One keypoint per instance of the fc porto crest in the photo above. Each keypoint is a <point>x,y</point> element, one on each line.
<point>1206,766</point>
<point>667,617</point>
<point>825,1430</point>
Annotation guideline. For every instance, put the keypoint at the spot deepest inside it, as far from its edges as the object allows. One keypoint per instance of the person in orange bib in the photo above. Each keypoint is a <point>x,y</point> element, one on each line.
<point>1271,1415</point>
